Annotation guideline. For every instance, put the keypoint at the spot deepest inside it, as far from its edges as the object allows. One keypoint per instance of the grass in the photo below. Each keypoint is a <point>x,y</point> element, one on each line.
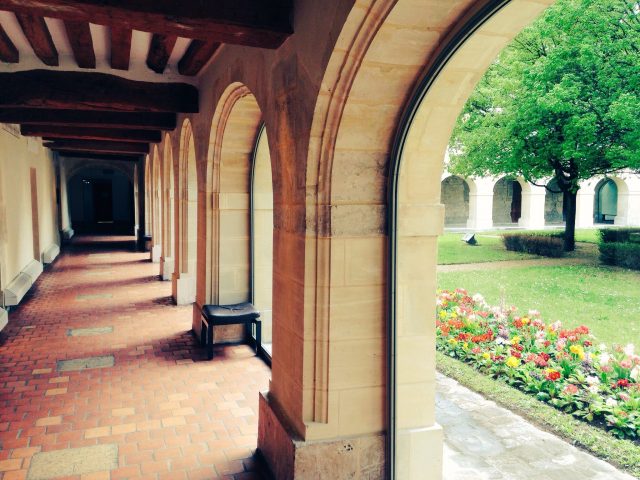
<point>622,453</point>
<point>605,299</point>
<point>452,250</point>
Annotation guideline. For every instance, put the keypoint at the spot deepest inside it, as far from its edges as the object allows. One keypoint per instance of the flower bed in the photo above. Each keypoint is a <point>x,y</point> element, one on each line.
<point>563,367</point>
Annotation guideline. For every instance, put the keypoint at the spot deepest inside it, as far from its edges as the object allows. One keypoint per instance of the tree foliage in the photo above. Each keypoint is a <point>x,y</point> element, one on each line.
<point>562,100</point>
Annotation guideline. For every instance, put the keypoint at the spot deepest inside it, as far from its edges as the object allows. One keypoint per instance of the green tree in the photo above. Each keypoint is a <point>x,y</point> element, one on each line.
<point>562,100</point>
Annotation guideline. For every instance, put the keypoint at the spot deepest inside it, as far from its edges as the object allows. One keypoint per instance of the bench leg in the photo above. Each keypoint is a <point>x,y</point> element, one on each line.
<point>258,336</point>
<point>210,342</point>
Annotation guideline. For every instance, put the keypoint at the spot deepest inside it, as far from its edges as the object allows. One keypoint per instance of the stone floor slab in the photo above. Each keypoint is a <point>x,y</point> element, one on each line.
<point>93,296</point>
<point>73,461</point>
<point>104,361</point>
<point>87,332</point>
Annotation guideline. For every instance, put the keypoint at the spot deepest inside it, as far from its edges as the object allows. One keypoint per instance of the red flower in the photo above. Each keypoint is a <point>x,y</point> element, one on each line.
<point>622,383</point>
<point>553,375</point>
<point>587,343</point>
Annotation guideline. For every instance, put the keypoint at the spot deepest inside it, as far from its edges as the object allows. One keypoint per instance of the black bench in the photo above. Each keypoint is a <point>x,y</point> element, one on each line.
<point>239,313</point>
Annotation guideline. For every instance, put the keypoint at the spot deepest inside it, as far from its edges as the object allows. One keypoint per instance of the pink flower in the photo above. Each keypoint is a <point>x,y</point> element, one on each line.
<point>570,389</point>
<point>626,364</point>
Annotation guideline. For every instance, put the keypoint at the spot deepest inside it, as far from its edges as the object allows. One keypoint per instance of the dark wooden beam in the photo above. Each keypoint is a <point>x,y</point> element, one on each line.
<point>80,133</point>
<point>197,55</point>
<point>94,146</point>
<point>38,35</point>
<point>83,118</point>
<point>8,51</point>
<point>160,51</point>
<point>120,47</point>
<point>99,156</point>
<point>257,23</point>
<point>94,91</point>
<point>79,35</point>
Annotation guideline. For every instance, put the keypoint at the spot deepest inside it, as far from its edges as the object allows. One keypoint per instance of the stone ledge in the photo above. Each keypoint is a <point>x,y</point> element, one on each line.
<point>288,457</point>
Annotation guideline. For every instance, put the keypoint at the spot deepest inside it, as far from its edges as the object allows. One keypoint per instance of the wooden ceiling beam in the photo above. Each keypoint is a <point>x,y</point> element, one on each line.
<point>99,156</point>
<point>8,51</point>
<point>39,37</point>
<point>94,91</point>
<point>120,47</point>
<point>159,51</point>
<point>197,55</point>
<point>79,35</point>
<point>256,23</point>
<point>94,146</point>
<point>83,118</point>
<point>79,133</point>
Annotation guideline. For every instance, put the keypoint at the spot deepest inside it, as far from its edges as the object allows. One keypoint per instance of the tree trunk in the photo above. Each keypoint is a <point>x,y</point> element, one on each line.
<point>570,224</point>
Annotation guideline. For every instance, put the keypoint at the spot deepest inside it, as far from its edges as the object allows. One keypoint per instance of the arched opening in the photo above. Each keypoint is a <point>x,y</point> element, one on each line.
<point>233,143</point>
<point>262,237</point>
<point>555,212</point>
<point>147,196</point>
<point>507,202</point>
<point>605,205</point>
<point>184,277</point>
<point>168,218</point>
<point>156,207</point>
<point>101,201</point>
<point>454,195</point>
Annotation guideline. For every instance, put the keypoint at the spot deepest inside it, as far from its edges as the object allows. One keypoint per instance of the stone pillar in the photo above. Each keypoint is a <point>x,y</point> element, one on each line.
<point>142,194</point>
<point>584,206</point>
<point>481,205</point>
<point>65,220</point>
<point>633,200</point>
<point>533,198</point>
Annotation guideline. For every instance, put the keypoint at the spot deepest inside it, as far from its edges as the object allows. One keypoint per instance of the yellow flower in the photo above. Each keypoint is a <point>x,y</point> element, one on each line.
<point>513,362</point>
<point>486,355</point>
<point>577,350</point>
<point>525,320</point>
<point>465,345</point>
<point>453,341</point>
<point>515,340</point>
<point>454,315</point>
<point>443,314</point>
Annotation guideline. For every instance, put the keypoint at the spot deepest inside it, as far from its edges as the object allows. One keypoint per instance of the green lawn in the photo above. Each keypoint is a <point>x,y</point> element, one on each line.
<point>451,250</point>
<point>607,300</point>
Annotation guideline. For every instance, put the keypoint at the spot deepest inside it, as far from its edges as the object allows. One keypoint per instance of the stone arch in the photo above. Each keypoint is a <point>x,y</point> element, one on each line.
<point>427,74</point>
<point>226,192</point>
<point>184,276</point>
<point>169,210</point>
<point>507,201</point>
<point>609,205</point>
<point>455,196</point>
<point>147,195</point>
<point>156,205</point>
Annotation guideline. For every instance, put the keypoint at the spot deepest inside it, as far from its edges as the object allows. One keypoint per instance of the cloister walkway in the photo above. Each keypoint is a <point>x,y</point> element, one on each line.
<point>138,399</point>
<point>101,379</point>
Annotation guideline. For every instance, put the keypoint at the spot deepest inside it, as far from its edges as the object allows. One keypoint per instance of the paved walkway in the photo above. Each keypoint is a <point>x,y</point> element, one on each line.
<point>486,442</point>
<point>138,401</point>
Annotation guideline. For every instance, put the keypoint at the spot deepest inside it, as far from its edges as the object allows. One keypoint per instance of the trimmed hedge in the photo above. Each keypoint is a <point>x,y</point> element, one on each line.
<point>616,235</point>
<point>544,245</point>
<point>622,254</point>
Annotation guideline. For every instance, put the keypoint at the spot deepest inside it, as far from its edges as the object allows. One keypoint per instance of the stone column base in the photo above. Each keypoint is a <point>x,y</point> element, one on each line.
<point>67,234</point>
<point>185,289</point>
<point>156,253</point>
<point>166,268</point>
<point>419,450</point>
<point>289,458</point>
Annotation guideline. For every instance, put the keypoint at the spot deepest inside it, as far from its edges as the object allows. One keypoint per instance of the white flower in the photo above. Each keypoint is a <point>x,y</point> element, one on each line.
<point>602,347</point>
<point>534,313</point>
<point>611,402</point>
<point>593,380</point>
<point>628,350</point>
<point>478,298</point>
<point>604,359</point>
<point>593,389</point>
<point>635,373</point>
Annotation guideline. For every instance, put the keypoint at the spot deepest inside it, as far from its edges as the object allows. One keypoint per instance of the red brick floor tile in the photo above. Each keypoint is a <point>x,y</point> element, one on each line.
<point>172,414</point>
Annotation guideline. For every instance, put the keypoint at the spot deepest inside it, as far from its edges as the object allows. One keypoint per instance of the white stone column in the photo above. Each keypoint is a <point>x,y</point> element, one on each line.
<point>532,216</point>
<point>584,205</point>
<point>481,205</point>
<point>633,200</point>
<point>65,219</point>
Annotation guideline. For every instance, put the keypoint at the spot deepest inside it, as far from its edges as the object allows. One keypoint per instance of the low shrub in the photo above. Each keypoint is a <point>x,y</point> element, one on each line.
<point>545,245</point>
<point>625,255</point>
<point>565,368</point>
<point>616,235</point>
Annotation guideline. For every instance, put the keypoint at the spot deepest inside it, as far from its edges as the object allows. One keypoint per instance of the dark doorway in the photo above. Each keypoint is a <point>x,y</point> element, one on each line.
<point>102,200</point>
<point>516,202</point>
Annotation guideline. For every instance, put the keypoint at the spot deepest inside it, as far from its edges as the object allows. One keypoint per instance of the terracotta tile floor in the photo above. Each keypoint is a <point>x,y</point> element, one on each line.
<point>171,413</point>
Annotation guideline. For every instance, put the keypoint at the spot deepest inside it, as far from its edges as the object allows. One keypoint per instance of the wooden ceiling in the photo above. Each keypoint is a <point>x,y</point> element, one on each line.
<point>104,107</point>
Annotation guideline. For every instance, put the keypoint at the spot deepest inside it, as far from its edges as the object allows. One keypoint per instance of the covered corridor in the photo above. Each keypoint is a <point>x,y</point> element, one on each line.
<point>137,390</point>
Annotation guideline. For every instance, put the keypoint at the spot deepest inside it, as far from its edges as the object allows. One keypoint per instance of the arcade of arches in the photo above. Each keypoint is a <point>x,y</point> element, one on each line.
<point>308,182</point>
